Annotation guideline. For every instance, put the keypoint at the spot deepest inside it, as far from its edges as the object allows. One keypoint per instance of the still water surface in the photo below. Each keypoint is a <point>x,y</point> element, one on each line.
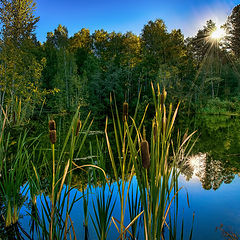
<point>210,176</point>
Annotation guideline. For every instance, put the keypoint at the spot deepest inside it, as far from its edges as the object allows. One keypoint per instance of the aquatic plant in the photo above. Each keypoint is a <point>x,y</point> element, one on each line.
<point>124,176</point>
<point>228,235</point>
<point>54,203</point>
<point>158,185</point>
<point>154,157</point>
<point>104,203</point>
<point>13,190</point>
<point>125,111</point>
<point>134,208</point>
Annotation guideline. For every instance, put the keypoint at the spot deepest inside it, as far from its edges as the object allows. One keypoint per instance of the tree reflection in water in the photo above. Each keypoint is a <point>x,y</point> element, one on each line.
<point>215,158</point>
<point>212,173</point>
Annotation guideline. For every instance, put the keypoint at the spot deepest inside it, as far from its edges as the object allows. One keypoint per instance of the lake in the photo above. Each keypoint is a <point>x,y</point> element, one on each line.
<point>210,176</point>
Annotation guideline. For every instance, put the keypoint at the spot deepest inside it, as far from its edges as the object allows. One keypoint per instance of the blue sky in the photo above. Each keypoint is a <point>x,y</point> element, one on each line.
<point>129,15</point>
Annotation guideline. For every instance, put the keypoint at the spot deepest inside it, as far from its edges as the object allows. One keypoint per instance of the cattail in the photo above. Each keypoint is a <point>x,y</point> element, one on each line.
<point>145,154</point>
<point>79,125</point>
<point>144,133</point>
<point>53,136</point>
<point>52,125</point>
<point>125,111</point>
<point>163,97</point>
<point>155,130</point>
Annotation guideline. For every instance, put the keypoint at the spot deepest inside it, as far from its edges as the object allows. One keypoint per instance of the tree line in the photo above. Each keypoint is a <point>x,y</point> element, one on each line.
<point>64,72</point>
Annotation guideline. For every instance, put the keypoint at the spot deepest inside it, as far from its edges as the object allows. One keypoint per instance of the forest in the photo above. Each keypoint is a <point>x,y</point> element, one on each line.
<point>64,72</point>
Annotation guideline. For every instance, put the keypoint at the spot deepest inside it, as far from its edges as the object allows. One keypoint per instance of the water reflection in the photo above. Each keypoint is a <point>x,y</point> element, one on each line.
<point>212,173</point>
<point>215,158</point>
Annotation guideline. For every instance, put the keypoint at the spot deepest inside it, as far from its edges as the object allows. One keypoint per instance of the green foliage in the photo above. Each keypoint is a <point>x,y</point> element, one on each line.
<point>85,68</point>
<point>233,28</point>
<point>20,68</point>
<point>13,176</point>
<point>18,20</point>
<point>103,208</point>
<point>55,205</point>
<point>217,106</point>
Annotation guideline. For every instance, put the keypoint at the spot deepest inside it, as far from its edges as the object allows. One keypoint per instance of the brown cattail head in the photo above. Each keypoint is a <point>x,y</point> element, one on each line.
<point>53,136</point>
<point>145,154</point>
<point>125,111</point>
<point>79,125</point>
<point>52,125</point>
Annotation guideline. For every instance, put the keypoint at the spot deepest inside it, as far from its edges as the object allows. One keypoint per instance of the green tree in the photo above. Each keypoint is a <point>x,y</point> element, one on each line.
<point>61,71</point>
<point>20,69</point>
<point>81,46</point>
<point>202,44</point>
<point>154,41</point>
<point>165,60</point>
<point>209,56</point>
<point>18,20</point>
<point>233,30</point>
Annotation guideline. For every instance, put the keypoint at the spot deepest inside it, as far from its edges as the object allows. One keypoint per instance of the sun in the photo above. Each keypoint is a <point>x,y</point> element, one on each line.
<point>218,34</point>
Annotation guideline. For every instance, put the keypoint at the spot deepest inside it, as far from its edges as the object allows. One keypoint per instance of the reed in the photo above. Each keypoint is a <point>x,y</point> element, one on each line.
<point>3,146</point>
<point>145,154</point>
<point>124,175</point>
<point>104,203</point>
<point>85,211</point>
<point>13,179</point>
<point>158,185</point>
<point>53,136</point>
<point>55,204</point>
<point>134,207</point>
<point>153,157</point>
<point>51,125</point>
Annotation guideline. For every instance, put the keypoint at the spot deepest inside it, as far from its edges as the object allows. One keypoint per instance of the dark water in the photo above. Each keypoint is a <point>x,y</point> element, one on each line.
<point>210,176</point>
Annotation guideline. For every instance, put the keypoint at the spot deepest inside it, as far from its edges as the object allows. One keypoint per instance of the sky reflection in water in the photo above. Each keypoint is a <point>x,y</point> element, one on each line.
<point>210,176</point>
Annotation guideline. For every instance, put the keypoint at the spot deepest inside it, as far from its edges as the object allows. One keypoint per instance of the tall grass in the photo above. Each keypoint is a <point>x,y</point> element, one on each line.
<point>122,158</point>
<point>14,160</point>
<point>104,203</point>
<point>157,180</point>
<point>134,208</point>
<point>3,139</point>
<point>55,202</point>
<point>154,157</point>
<point>12,180</point>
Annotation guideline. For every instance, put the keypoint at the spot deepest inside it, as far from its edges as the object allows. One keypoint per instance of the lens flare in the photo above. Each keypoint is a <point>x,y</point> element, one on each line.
<point>218,34</point>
